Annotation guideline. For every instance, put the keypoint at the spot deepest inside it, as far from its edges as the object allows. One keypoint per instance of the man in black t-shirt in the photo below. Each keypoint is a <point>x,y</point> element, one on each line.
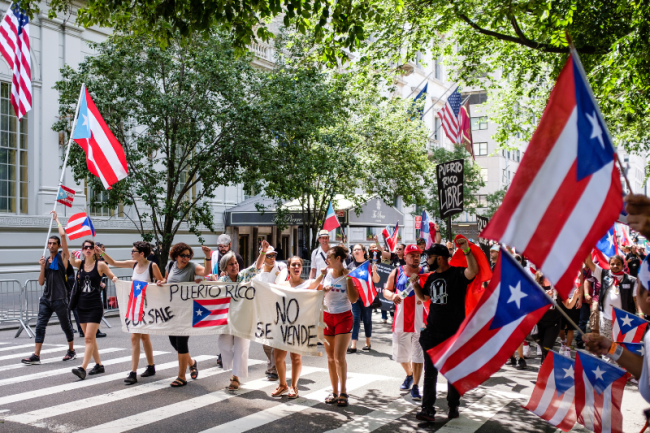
<point>633,261</point>
<point>446,288</point>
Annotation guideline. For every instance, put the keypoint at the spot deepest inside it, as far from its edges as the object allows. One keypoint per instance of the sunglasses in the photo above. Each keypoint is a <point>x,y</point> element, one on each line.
<point>88,247</point>
<point>134,251</point>
<point>270,256</point>
<point>185,256</point>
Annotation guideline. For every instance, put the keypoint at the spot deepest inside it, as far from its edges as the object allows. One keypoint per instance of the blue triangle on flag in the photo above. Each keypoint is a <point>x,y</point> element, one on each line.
<point>563,372</point>
<point>82,130</point>
<point>519,294</point>
<point>599,373</point>
<point>199,312</point>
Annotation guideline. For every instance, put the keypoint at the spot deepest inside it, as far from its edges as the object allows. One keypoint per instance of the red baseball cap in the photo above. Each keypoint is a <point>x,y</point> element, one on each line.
<point>412,249</point>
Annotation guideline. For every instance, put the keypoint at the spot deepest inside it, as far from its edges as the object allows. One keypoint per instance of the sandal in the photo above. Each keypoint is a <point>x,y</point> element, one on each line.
<point>194,370</point>
<point>293,393</point>
<point>331,399</point>
<point>280,391</point>
<point>343,400</point>
<point>232,387</point>
<point>178,382</point>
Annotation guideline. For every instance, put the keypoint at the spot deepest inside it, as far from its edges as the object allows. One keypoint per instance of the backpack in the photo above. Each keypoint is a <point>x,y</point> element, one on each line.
<point>151,279</point>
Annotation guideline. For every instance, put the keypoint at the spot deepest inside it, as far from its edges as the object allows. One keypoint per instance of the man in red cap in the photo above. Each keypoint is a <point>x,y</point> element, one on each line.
<point>410,317</point>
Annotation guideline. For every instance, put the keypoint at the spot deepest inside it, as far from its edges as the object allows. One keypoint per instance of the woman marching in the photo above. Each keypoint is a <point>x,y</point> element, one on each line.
<point>143,270</point>
<point>295,264</point>
<point>234,350</point>
<point>89,305</point>
<point>182,270</point>
<point>340,293</point>
<point>359,311</point>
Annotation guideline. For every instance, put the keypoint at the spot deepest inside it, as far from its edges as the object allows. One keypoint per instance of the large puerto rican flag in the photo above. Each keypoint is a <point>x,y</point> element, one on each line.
<point>511,305</point>
<point>554,393</point>
<point>599,393</point>
<point>135,309</point>
<point>567,192</point>
<point>79,225</point>
<point>626,327</point>
<point>210,312</point>
<point>104,154</point>
<point>362,279</point>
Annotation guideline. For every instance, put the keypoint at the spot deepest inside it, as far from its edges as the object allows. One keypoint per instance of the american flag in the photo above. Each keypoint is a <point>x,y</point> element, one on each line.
<point>14,45</point>
<point>450,116</point>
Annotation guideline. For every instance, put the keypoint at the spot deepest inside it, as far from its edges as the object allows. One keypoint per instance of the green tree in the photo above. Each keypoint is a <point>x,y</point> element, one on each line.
<point>189,118</point>
<point>494,201</point>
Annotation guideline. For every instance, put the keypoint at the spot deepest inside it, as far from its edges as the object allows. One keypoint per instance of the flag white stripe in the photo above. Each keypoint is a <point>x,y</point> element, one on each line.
<point>547,397</point>
<point>526,218</point>
<point>478,322</point>
<point>579,224</point>
<point>606,417</point>
<point>105,145</point>
<point>280,411</point>
<point>91,158</point>
<point>629,336</point>
<point>565,406</point>
<point>79,350</point>
<point>588,410</point>
<point>42,392</point>
<point>218,316</point>
<point>477,360</point>
<point>184,406</point>
<point>100,400</point>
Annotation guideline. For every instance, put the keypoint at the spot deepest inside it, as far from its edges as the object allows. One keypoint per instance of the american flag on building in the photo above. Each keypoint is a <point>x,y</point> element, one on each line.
<point>14,46</point>
<point>450,117</point>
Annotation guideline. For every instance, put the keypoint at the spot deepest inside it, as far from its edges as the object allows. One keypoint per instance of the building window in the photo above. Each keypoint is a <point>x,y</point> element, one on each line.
<point>480,149</point>
<point>437,134</point>
<point>479,123</point>
<point>484,174</point>
<point>518,156</point>
<point>13,156</point>
<point>437,69</point>
<point>98,205</point>
<point>475,98</point>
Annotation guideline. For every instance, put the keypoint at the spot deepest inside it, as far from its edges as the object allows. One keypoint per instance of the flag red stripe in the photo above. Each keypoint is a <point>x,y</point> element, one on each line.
<point>102,162</point>
<point>409,314</point>
<point>213,301</point>
<point>206,323</point>
<point>117,147</point>
<point>218,312</point>
<point>617,398</point>
<point>640,331</point>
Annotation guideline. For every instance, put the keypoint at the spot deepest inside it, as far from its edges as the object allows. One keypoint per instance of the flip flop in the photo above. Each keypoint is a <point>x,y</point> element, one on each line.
<point>178,382</point>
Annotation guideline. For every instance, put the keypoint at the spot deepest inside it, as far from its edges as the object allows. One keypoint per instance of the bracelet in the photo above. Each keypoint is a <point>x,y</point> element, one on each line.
<point>102,255</point>
<point>615,352</point>
<point>59,224</point>
<point>210,259</point>
<point>263,253</point>
<point>467,251</point>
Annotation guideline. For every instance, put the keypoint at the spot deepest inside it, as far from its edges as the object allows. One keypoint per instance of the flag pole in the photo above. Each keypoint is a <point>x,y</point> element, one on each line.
<point>436,101</point>
<point>65,163</point>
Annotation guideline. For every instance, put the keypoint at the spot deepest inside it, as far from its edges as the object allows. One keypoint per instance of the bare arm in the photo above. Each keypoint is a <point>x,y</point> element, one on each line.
<point>64,241</point>
<point>590,263</point>
<point>116,263</point>
<point>105,270</point>
<point>375,276</point>
<point>419,291</point>
<point>389,291</point>
<point>201,271</point>
<point>353,293</point>
<point>312,273</point>
<point>157,276</point>
<point>41,276</point>
<point>601,345</point>
<point>472,265</point>
<point>438,235</point>
<point>318,281</point>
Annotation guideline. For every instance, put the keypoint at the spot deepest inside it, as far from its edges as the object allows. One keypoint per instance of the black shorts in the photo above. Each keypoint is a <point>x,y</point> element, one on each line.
<point>573,313</point>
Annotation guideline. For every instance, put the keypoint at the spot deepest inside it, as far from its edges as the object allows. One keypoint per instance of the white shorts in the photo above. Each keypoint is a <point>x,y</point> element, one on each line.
<point>406,347</point>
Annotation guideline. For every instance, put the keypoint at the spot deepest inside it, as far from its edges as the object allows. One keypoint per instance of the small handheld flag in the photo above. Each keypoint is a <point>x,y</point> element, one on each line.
<point>79,225</point>
<point>626,327</point>
<point>605,248</point>
<point>135,308</point>
<point>65,196</point>
<point>362,279</point>
<point>636,348</point>
<point>391,239</point>
<point>331,221</point>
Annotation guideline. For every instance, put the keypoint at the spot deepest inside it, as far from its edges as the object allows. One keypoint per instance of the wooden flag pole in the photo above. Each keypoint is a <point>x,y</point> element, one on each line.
<point>65,163</point>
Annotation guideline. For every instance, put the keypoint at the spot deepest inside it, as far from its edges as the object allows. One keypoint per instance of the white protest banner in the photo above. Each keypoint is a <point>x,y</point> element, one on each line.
<point>278,316</point>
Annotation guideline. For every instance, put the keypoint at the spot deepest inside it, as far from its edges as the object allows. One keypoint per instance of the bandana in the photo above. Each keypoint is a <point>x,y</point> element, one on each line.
<point>55,262</point>
<point>618,277</point>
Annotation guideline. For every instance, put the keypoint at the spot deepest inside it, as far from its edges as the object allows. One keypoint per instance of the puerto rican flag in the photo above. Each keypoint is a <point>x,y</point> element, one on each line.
<point>636,348</point>
<point>391,239</point>
<point>362,279</point>
<point>79,225</point>
<point>65,196</point>
<point>428,230</point>
<point>626,327</point>
<point>511,305</point>
<point>135,309</point>
<point>567,192</point>
<point>410,314</point>
<point>625,239</point>
<point>605,248</point>
<point>331,221</point>
<point>554,393</point>
<point>104,154</point>
<point>210,312</point>
<point>599,392</point>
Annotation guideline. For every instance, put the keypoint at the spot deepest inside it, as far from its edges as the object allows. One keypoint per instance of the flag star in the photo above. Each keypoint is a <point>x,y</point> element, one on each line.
<point>199,312</point>
<point>568,372</point>
<point>610,239</point>
<point>85,122</point>
<point>596,130</point>
<point>627,321</point>
<point>642,350</point>
<point>516,294</point>
<point>599,373</point>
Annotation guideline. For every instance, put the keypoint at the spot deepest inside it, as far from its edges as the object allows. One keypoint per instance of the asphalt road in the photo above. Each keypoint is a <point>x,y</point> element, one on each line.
<point>49,398</point>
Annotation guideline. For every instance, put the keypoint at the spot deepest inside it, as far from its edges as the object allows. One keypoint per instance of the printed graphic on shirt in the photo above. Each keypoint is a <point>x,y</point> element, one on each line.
<point>439,292</point>
<point>339,287</point>
<point>87,287</point>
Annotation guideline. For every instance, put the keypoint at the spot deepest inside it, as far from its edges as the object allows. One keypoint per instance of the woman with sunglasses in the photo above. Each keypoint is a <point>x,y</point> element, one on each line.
<point>90,308</point>
<point>234,350</point>
<point>359,311</point>
<point>143,270</point>
<point>182,270</point>
<point>295,264</point>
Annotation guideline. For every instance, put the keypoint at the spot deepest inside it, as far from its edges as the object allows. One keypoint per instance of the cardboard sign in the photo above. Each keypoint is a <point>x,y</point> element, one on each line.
<point>484,243</point>
<point>450,187</point>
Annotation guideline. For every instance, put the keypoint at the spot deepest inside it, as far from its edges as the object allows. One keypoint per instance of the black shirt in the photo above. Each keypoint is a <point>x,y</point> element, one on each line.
<point>396,261</point>
<point>447,292</point>
<point>633,263</point>
<point>55,281</point>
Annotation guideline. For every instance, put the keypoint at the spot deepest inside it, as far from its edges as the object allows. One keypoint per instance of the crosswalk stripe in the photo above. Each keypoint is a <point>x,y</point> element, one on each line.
<point>32,418</point>
<point>280,411</point>
<point>80,354</point>
<point>50,373</point>
<point>90,381</point>
<point>19,356</point>
<point>164,412</point>
<point>378,418</point>
<point>24,346</point>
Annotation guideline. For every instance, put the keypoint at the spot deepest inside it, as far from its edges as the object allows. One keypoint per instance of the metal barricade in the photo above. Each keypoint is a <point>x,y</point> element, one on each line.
<point>109,296</point>
<point>306,269</point>
<point>11,304</point>
<point>32,292</point>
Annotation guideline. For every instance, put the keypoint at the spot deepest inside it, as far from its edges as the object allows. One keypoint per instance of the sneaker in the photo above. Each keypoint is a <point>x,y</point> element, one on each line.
<point>351,350</point>
<point>32,360</point>
<point>407,383</point>
<point>97,369</point>
<point>70,355</point>
<point>100,334</point>
<point>415,393</point>
<point>428,415</point>
<point>366,348</point>
<point>453,412</point>
<point>131,378</point>
<point>219,361</point>
<point>79,372</point>
<point>512,361</point>
<point>521,365</point>
<point>150,371</point>
<point>539,351</point>
<point>273,377</point>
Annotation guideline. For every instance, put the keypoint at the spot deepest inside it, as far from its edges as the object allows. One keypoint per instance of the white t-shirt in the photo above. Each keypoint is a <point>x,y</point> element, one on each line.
<point>318,260</point>
<point>304,285</point>
<point>336,300</point>
<point>277,274</point>
<point>613,298</point>
<point>644,380</point>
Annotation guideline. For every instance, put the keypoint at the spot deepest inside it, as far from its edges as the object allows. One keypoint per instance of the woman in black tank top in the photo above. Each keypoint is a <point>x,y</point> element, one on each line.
<point>90,308</point>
